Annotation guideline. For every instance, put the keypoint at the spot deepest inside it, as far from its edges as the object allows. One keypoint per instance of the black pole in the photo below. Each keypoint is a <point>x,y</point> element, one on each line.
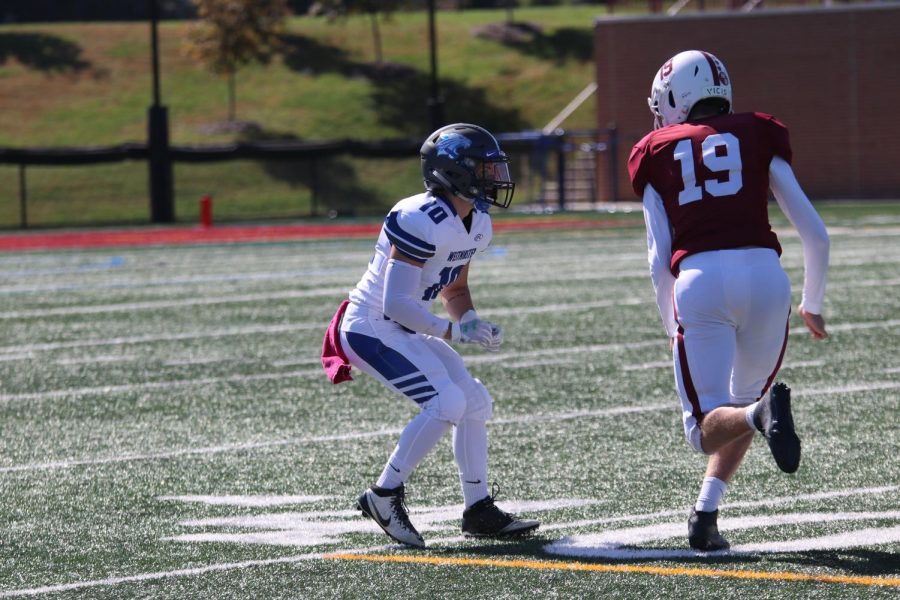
<point>435,102</point>
<point>613,153</point>
<point>162,206</point>
<point>154,48</point>
<point>23,198</point>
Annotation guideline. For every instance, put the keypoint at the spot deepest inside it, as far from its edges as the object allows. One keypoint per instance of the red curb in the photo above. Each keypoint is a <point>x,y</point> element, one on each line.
<point>227,234</point>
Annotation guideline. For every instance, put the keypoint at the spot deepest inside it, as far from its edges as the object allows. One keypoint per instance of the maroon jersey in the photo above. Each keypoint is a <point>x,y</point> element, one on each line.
<point>713,176</point>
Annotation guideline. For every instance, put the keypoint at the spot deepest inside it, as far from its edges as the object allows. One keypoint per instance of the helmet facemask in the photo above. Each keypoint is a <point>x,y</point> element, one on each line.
<point>492,182</point>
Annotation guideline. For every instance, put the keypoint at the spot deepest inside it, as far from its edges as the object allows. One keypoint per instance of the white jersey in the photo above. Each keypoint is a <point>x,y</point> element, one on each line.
<point>425,228</point>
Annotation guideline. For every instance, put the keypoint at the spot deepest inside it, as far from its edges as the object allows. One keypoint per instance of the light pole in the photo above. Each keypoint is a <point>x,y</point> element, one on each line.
<point>162,205</point>
<point>435,102</point>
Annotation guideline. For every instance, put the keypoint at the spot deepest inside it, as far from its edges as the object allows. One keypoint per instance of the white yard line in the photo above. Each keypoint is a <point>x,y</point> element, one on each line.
<point>153,385</point>
<point>841,327</point>
<point>40,313</point>
<point>17,351</point>
<point>513,359</point>
<point>797,392</point>
<point>152,338</point>
<point>190,572</point>
<point>732,523</point>
<point>356,435</point>
<point>668,365</point>
<point>875,386</point>
<point>769,502</point>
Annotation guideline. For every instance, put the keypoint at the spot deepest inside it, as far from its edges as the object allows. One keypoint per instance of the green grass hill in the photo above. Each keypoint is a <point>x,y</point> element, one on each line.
<point>90,84</point>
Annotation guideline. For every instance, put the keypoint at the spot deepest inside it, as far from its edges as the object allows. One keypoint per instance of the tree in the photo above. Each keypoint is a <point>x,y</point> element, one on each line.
<point>233,33</point>
<point>367,7</point>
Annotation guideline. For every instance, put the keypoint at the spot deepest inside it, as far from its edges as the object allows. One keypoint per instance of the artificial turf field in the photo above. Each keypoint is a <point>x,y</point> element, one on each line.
<point>167,431</point>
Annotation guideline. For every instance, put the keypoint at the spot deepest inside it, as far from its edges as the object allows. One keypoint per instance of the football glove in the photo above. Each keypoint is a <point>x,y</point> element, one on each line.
<point>496,338</point>
<point>472,330</point>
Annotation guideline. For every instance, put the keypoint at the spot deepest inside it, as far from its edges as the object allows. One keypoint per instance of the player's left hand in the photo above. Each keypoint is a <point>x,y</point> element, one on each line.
<point>815,323</point>
<point>493,345</point>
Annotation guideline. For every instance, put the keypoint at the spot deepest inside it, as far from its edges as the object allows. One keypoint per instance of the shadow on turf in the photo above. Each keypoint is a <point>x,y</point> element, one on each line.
<point>401,93</point>
<point>856,561</point>
<point>333,180</point>
<point>529,38</point>
<point>42,52</point>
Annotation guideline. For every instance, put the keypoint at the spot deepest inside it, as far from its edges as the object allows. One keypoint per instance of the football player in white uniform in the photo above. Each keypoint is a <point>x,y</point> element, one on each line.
<point>387,330</point>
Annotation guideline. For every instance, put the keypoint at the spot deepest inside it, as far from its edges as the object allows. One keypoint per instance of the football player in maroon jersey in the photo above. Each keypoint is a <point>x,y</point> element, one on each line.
<point>704,175</point>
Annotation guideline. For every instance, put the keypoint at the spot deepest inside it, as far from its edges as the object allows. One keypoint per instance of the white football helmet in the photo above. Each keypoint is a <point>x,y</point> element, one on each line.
<point>684,80</point>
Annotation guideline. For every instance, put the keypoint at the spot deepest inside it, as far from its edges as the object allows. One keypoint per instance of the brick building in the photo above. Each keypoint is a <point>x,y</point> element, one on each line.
<point>832,75</point>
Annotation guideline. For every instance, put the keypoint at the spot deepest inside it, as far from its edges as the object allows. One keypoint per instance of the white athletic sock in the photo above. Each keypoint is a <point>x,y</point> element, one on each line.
<point>417,439</point>
<point>710,494</point>
<point>750,413</point>
<point>470,448</point>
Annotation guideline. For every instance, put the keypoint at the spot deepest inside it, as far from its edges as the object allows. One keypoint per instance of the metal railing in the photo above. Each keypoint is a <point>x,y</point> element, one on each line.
<point>554,168</point>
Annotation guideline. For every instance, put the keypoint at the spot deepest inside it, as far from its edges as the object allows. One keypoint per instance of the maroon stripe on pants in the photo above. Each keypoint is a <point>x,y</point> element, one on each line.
<point>686,380</point>
<point>780,357</point>
<point>713,67</point>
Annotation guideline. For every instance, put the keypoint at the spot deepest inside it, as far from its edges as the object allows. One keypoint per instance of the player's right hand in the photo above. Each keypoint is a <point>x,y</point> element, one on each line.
<point>815,323</point>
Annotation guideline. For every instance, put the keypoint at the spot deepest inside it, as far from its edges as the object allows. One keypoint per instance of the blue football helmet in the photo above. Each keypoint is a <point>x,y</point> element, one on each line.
<point>466,160</point>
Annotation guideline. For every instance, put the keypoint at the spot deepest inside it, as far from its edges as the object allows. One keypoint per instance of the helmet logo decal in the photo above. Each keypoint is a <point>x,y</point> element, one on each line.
<point>666,69</point>
<point>449,144</point>
<point>714,67</point>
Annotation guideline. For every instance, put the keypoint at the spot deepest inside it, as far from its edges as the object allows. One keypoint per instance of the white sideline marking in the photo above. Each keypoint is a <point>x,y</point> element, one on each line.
<point>79,585</point>
<point>65,464</point>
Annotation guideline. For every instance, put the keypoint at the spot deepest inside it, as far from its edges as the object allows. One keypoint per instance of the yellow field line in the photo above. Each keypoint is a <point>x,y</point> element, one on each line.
<point>602,568</point>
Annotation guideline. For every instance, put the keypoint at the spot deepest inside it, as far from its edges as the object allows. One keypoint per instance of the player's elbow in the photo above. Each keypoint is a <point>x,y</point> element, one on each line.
<point>395,307</point>
<point>819,241</point>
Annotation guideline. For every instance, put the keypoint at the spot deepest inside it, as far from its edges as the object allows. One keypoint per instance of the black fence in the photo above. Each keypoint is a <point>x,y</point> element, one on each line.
<point>553,170</point>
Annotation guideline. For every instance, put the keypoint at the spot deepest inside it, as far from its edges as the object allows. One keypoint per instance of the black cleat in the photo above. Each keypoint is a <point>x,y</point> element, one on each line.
<point>773,418</point>
<point>703,531</point>
<point>484,520</point>
<point>388,509</point>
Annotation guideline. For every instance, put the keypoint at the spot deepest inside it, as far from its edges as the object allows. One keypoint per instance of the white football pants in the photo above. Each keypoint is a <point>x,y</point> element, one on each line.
<point>423,368</point>
<point>430,373</point>
<point>732,310</point>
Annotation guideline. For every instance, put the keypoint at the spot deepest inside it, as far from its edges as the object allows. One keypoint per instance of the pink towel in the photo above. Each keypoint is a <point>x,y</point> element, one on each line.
<point>334,361</point>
